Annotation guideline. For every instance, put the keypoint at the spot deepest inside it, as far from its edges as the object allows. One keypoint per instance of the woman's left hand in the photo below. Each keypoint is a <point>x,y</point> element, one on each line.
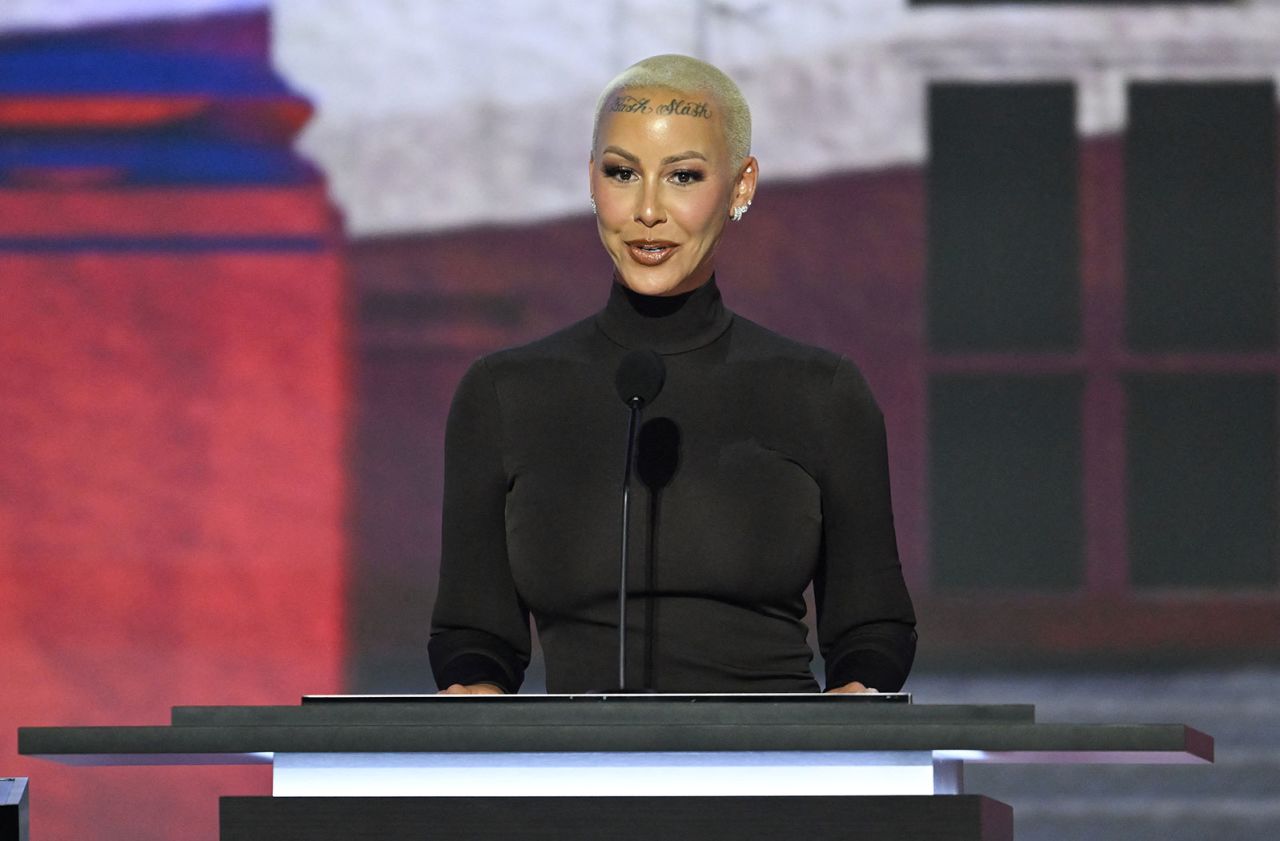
<point>854,687</point>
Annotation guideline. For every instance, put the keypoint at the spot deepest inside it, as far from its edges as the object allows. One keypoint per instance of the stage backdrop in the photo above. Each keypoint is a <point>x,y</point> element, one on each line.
<point>1046,232</point>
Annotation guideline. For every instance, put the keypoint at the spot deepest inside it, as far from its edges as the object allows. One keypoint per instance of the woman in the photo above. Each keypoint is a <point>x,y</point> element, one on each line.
<point>763,460</point>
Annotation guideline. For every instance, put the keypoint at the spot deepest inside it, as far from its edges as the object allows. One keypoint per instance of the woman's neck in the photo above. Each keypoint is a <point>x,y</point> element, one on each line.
<point>667,323</point>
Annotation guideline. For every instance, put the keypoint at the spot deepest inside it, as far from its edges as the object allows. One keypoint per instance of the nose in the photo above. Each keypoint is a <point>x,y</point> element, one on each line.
<point>650,212</point>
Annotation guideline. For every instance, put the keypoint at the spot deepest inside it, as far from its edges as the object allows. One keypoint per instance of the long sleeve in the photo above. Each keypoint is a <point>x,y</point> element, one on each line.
<point>480,626</point>
<point>866,624</point>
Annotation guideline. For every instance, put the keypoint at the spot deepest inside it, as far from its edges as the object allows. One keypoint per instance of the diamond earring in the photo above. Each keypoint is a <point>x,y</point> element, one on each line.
<point>593,205</point>
<point>737,213</point>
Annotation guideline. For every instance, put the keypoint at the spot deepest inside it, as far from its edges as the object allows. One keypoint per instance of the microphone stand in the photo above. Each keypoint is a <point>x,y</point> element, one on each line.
<point>632,425</point>
<point>638,380</point>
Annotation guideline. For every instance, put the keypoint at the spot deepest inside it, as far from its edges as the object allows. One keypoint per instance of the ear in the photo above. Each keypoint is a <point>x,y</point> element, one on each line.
<point>744,189</point>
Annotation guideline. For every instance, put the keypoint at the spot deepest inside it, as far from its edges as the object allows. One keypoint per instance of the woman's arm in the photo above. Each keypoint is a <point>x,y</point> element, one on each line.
<point>480,628</point>
<point>866,624</point>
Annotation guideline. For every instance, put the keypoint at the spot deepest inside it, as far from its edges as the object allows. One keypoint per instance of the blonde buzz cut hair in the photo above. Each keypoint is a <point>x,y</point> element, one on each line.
<point>687,75</point>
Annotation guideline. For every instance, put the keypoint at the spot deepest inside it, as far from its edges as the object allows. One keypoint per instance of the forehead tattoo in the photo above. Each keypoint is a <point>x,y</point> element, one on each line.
<point>628,104</point>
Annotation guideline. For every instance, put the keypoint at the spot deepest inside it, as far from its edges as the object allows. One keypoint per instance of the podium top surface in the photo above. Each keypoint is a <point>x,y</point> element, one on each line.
<point>622,724</point>
<point>584,711</point>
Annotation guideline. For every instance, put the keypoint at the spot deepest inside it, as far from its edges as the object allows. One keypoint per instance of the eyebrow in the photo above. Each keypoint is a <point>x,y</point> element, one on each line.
<point>622,153</point>
<point>683,156</point>
<point>669,159</point>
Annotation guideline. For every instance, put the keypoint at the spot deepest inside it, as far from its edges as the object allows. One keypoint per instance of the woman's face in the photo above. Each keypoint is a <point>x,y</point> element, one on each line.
<point>664,185</point>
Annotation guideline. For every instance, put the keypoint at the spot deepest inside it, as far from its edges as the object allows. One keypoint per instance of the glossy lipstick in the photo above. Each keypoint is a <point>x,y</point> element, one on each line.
<point>651,252</point>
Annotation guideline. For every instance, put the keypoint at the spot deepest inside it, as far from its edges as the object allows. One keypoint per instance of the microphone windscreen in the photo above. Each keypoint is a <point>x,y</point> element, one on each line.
<point>640,376</point>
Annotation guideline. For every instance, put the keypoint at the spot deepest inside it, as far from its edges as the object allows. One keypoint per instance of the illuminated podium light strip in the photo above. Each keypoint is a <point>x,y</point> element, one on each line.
<point>657,774</point>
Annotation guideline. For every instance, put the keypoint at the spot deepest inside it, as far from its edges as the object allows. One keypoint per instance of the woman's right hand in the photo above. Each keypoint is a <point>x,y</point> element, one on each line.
<point>472,689</point>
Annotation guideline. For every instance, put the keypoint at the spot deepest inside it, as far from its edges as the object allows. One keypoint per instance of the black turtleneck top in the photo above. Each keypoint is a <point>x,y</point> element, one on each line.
<point>761,467</point>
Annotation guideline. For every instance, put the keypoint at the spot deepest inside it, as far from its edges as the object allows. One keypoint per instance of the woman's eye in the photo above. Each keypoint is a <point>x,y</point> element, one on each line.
<point>619,173</point>
<point>686,176</point>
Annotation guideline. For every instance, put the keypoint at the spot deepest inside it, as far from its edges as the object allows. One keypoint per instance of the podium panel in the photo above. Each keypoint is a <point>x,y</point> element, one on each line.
<point>890,818</point>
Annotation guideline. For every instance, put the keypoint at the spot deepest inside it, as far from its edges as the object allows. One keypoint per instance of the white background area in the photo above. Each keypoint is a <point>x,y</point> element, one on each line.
<point>442,113</point>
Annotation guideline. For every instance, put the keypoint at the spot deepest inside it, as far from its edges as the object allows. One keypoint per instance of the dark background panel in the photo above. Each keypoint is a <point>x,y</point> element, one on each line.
<point>1202,481</point>
<point>1003,235</point>
<point>1005,483</point>
<point>1200,173</point>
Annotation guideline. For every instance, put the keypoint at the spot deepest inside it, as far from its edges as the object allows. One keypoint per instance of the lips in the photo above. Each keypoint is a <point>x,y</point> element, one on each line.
<point>651,252</point>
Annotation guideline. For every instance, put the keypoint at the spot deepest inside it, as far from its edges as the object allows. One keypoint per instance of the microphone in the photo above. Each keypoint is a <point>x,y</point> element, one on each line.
<point>640,377</point>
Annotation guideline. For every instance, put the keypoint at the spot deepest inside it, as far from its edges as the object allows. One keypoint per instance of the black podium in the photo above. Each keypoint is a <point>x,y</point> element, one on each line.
<point>13,809</point>
<point>619,767</point>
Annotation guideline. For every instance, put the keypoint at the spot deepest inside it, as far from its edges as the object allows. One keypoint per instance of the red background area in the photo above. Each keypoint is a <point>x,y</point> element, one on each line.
<point>172,484</point>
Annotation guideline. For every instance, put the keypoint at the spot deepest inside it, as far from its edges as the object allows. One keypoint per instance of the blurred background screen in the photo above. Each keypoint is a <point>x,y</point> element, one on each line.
<point>248,248</point>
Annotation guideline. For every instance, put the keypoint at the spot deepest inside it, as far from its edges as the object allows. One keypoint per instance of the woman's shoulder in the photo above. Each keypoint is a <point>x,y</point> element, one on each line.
<point>754,342</point>
<point>570,343</point>
<point>823,385</point>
